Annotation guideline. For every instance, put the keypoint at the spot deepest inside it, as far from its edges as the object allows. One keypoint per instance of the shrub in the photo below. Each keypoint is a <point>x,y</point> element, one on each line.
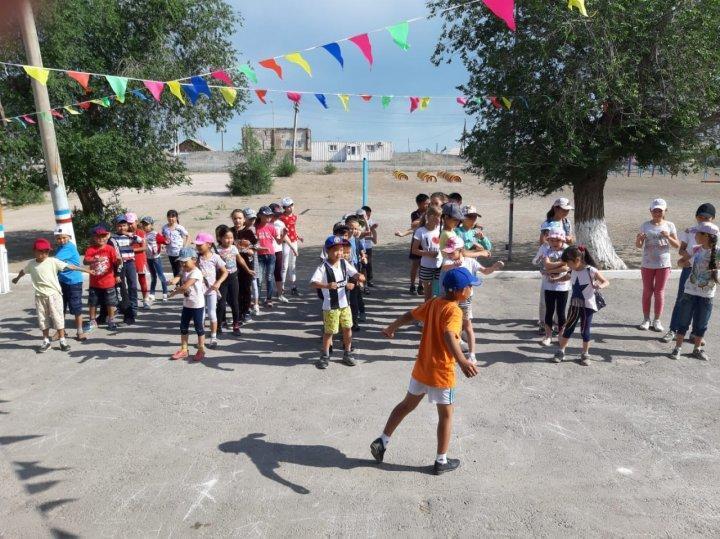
<point>329,168</point>
<point>253,174</point>
<point>19,192</point>
<point>286,167</point>
<point>83,222</point>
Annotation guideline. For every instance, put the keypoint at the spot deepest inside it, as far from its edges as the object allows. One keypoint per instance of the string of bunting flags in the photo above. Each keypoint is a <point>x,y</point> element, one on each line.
<point>192,87</point>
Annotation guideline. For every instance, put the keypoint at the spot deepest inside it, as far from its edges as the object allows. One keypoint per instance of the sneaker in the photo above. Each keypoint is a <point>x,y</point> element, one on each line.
<point>88,327</point>
<point>541,330</point>
<point>65,347</point>
<point>362,317</point>
<point>421,290</point>
<point>585,359</point>
<point>464,346</point>
<point>668,337</point>
<point>294,291</point>
<point>366,291</point>
<point>212,344</point>
<point>283,299</point>
<point>547,341</point>
<point>449,466</point>
<point>645,325</point>
<point>165,297</point>
<point>323,362</point>
<point>80,337</point>
<point>180,354</point>
<point>699,353</point>
<point>146,304</point>
<point>413,290</point>
<point>657,326</point>
<point>112,326</point>
<point>44,347</point>
<point>558,357</point>
<point>349,359</point>
<point>199,355</point>
<point>377,448</point>
<point>370,284</point>
<point>247,318</point>
<point>256,310</point>
<point>151,297</point>
<point>236,329</point>
<point>675,354</point>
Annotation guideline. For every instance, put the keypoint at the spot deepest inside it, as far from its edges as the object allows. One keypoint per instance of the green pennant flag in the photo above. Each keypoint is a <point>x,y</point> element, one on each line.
<point>119,85</point>
<point>248,72</point>
<point>386,100</point>
<point>399,33</point>
<point>45,116</point>
<point>105,102</point>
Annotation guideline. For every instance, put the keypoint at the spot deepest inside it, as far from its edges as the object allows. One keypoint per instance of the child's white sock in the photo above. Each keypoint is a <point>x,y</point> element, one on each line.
<point>385,439</point>
<point>62,340</point>
<point>441,458</point>
<point>213,335</point>
<point>46,339</point>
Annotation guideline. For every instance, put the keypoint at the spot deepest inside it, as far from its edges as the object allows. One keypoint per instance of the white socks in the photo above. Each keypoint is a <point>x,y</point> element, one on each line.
<point>441,458</point>
<point>385,439</point>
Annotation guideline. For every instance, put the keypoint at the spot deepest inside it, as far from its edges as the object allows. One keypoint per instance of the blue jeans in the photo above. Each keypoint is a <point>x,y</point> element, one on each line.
<point>129,275</point>
<point>156,272</point>
<point>674,322</point>
<point>694,309</point>
<point>267,274</point>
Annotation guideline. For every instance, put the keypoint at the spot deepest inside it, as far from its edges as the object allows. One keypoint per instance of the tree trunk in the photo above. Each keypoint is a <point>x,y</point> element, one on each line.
<point>90,200</point>
<point>590,226</point>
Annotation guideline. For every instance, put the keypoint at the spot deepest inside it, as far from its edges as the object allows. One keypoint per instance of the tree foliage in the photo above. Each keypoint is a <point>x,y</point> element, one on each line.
<point>122,146</point>
<point>252,175</point>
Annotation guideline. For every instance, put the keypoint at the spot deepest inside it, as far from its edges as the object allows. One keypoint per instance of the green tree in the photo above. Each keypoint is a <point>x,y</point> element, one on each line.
<point>636,78</point>
<point>252,174</point>
<point>123,146</point>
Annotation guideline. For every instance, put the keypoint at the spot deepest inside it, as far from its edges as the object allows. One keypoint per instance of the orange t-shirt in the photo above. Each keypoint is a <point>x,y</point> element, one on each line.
<point>435,364</point>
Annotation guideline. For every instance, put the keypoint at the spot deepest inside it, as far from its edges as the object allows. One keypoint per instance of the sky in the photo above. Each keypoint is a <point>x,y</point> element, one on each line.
<point>276,27</point>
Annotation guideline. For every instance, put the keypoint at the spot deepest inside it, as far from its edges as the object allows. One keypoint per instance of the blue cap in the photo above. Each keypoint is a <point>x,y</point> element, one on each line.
<point>120,219</point>
<point>459,278</point>
<point>332,241</point>
<point>186,253</point>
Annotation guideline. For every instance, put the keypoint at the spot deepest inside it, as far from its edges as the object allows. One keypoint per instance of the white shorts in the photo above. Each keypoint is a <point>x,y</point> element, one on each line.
<point>435,395</point>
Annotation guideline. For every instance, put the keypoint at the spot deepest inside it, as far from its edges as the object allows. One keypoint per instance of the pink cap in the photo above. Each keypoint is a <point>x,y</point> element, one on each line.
<point>204,237</point>
<point>130,217</point>
<point>453,244</point>
<point>556,234</point>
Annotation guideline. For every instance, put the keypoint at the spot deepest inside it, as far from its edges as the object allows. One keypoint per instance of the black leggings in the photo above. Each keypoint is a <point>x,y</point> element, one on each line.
<point>196,316</point>
<point>229,295</point>
<point>175,265</point>
<point>585,317</point>
<point>369,265</point>
<point>244,291</point>
<point>555,301</point>
<point>278,268</point>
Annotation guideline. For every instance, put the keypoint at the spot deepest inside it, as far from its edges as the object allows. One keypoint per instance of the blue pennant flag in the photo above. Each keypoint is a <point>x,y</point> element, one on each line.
<point>191,92</point>
<point>321,98</point>
<point>140,95</point>
<point>334,49</point>
<point>201,85</point>
<point>18,120</point>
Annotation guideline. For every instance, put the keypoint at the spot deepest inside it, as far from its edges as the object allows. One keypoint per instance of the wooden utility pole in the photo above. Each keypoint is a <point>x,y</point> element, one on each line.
<point>296,108</point>
<point>45,123</point>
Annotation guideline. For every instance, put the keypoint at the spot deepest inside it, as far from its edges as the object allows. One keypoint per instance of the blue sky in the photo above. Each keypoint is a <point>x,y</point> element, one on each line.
<point>274,27</point>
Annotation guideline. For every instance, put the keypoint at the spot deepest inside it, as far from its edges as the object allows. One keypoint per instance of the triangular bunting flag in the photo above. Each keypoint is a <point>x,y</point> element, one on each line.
<point>28,119</point>
<point>176,90</point>
<point>296,58</point>
<point>191,92</point>
<point>321,98</point>
<point>222,76</point>
<point>156,88</point>
<point>386,100</point>
<point>495,102</point>
<point>580,4</point>
<point>81,78</point>
<point>71,110</point>
<point>414,101</point>
<point>399,33</point>
<point>57,115</point>
<point>140,95</point>
<point>506,102</point>
<point>334,49</point>
<point>461,101</point>
<point>424,103</point>
<point>261,95</point>
<point>44,116</point>
<point>119,85</point>
<point>270,63</point>
<point>344,99</point>
<point>521,98</point>
<point>248,72</point>
<point>505,9</point>
<point>363,43</point>
<point>229,94</point>
<point>40,74</point>
<point>201,85</point>
<point>105,102</point>
<point>85,105</point>
<point>294,97</point>
<point>366,97</point>
<point>18,120</point>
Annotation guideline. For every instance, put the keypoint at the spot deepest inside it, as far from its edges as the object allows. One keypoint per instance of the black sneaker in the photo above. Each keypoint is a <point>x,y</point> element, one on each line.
<point>65,347</point>
<point>449,466</point>
<point>421,290</point>
<point>559,357</point>
<point>294,291</point>
<point>323,362</point>
<point>377,448</point>
<point>370,284</point>
<point>349,359</point>
<point>413,290</point>
<point>112,326</point>
<point>366,292</point>
<point>44,347</point>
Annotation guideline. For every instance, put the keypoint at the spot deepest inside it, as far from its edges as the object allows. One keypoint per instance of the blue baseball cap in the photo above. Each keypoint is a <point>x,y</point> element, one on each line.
<point>186,253</point>
<point>332,241</point>
<point>120,219</point>
<point>459,278</point>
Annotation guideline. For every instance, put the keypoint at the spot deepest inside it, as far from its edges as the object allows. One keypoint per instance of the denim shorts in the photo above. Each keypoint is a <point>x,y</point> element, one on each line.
<point>72,298</point>
<point>102,296</point>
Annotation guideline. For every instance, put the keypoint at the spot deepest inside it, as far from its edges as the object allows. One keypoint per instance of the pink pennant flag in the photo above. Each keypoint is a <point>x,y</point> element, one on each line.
<point>28,119</point>
<point>57,115</point>
<point>505,9</point>
<point>461,101</point>
<point>366,97</point>
<point>156,88</point>
<point>261,95</point>
<point>222,76</point>
<point>414,102</point>
<point>81,78</point>
<point>270,63</point>
<point>363,43</point>
<point>294,97</point>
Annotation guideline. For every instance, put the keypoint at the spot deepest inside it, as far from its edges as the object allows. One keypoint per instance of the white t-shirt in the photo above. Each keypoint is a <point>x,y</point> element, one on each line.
<point>175,239</point>
<point>656,249</point>
<point>368,241</point>
<point>688,238</point>
<point>582,286</point>
<point>555,256</point>
<point>280,229</point>
<point>700,282</point>
<point>209,268</point>
<point>470,264</point>
<point>337,297</point>
<point>195,296</point>
<point>429,240</point>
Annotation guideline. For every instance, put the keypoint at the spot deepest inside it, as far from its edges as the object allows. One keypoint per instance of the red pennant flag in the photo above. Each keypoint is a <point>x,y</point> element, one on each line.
<point>270,63</point>
<point>81,78</point>
<point>414,102</point>
<point>495,102</point>
<point>28,119</point>
<point>85,106</point>
<point>57,115</point>
<point>222,76</point>
<point>366,97</point>
<point>363,43</point>
<point>461,101</point>
<point>294,97</point>
<point>261,95</point>
<point>505,9</point>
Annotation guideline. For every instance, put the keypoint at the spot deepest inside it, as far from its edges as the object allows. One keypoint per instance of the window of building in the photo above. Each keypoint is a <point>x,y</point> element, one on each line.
<point>332,147</point>
<point>370,147</point>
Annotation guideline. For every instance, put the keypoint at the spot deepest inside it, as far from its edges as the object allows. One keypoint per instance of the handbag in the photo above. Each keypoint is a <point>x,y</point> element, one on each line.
<point>599,298</point>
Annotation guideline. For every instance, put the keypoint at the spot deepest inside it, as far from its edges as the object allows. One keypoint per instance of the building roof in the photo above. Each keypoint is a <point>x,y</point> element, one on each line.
<point>197,142</point>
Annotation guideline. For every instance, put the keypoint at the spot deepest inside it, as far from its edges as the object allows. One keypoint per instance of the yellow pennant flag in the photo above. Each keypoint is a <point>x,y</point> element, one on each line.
<point>176,90</point>
<point>296,58</point>
<point>38,73</point>
<point>229,94</point>
<point>424,102</point>
<point>344,99</point>
<point>580,4</point>
<point>71,110</point>
<point>506,102</point>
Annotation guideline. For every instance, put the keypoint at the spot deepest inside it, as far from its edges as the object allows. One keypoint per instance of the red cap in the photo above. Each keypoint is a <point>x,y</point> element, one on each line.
<point>41,244</point>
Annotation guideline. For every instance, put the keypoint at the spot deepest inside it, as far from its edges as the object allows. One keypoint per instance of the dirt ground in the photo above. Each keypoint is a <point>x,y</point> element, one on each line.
<point>322,200</point>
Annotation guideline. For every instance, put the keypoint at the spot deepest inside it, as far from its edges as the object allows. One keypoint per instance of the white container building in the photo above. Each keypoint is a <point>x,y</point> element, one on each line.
<point>351,151</point>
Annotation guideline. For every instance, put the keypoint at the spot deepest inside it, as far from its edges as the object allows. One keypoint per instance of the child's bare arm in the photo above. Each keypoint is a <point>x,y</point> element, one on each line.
<point>320,286</point>
<point>19,276</point>
<point>497,266</point>
<point>404,320</point>
<point>453,343</point>
<point>602,282</point>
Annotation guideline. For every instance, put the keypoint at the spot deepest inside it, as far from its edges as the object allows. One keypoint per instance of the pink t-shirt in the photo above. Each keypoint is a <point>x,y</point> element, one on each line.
<point>266,239</point>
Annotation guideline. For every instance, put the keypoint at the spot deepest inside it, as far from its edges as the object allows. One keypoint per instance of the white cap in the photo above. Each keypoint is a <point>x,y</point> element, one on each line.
<point>286,202</point>
<point>706,228</point>
<point>658,203</point>
<point>563,203</point>
<point>62,230</point>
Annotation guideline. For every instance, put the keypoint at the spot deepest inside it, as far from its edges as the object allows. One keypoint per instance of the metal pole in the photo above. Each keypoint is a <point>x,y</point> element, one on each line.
<point>46,125</point>
<point>364,181</point>
<point>4,266</point>
<point>222,140</point>
<point>510,224</point>
<point>296,108</point>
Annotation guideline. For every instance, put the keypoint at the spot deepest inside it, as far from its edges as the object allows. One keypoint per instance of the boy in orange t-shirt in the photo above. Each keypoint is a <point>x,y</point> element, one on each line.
<point>434,371</point>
